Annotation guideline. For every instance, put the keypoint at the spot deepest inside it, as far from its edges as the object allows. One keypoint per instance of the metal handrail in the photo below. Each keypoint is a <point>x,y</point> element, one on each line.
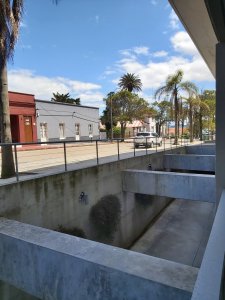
<point>64,144</point>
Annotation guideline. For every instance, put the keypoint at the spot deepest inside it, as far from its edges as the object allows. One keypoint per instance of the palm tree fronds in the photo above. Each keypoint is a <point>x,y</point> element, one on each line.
<point>10,16</point>
<point>130,82</point>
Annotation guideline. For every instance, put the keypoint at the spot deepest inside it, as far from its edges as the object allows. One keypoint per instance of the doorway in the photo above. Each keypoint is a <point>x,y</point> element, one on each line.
<point>28,130</point>
<point>15,130</point>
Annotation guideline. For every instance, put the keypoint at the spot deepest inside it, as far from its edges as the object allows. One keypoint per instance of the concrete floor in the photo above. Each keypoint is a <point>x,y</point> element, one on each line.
<point>180,233</point>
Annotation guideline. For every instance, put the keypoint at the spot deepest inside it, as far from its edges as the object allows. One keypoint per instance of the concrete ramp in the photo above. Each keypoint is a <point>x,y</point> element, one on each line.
<point>192,162</point>
<point>175,185</point>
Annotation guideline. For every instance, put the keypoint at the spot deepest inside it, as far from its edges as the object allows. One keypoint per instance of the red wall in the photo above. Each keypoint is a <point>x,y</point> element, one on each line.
<point>20,106</point>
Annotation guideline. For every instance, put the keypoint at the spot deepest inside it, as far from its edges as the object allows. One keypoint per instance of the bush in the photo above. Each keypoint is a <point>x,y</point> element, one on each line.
<point>185,136</point>
<point>116,132</point>
<point>105,217</point>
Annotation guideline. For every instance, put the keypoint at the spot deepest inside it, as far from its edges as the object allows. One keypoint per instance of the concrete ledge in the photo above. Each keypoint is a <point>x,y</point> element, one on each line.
<point>190,162</point>
<point>201,149</point>
<point>174,185</point>
<point>51,265</point>
<point>210,281</point>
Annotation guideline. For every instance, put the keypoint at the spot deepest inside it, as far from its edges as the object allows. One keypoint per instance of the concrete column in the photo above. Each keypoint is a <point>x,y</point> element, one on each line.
<point>220,119</point>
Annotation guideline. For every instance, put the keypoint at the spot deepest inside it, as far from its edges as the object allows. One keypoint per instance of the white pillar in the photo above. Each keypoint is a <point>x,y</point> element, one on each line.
<point>220,119</point>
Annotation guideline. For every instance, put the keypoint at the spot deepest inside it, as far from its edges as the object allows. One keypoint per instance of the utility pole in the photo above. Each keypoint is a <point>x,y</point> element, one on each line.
<point>111,118</point>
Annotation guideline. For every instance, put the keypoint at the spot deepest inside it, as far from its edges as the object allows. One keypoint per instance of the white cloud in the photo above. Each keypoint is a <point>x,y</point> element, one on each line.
<point>43,87</point>
<point>127,53</point>
<point>182,43</point>
<point>153,73</point>
<point>133,52</point>
<point>174,20</point>
<point>141,50</point>
<point>160,53</point>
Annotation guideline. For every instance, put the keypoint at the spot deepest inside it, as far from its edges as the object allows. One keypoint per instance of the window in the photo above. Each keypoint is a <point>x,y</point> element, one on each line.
<point>90,129</point>
<point>77,129</point>
<point>62,131</point>
<point>44,131</point>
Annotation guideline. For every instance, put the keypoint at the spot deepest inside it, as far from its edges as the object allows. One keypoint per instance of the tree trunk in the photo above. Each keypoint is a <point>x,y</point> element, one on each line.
<point>176,113</point>
<point>8,168</point>
<point>182,127</point>
<point>191,123</point>
<point>200,125</point>
<point>123,129</point>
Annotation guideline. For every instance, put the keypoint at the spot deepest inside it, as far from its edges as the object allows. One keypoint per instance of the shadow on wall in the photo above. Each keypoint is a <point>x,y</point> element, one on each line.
<point>105,218</point>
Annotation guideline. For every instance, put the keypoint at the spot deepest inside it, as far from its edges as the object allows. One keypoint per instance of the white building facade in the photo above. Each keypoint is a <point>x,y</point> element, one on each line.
<point>61,121</point>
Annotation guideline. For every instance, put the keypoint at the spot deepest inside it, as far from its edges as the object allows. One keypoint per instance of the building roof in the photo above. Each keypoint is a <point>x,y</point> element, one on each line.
<point>135,123</point>
<point>67,104</point>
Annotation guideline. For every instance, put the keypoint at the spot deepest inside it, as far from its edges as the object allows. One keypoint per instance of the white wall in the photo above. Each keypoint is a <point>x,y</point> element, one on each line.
<point>53,114</point>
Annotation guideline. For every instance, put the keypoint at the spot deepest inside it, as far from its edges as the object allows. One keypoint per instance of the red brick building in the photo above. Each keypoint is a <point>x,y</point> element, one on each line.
<point>22,117</point>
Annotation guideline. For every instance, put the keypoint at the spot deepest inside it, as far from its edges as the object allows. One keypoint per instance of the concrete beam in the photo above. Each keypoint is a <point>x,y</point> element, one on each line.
<point>51,265</point>
<point>190,162</point>
<point>175,185</point>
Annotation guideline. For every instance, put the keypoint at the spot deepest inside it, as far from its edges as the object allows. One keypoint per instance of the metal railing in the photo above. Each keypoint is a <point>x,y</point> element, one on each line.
<point>65,153</point>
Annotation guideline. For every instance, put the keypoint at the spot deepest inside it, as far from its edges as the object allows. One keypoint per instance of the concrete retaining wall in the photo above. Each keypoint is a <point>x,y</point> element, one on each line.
<point>54,266</point>
<point>56,200</point>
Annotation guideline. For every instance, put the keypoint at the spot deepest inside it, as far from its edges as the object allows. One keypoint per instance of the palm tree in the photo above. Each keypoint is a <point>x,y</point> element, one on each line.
<point>193,105</point>
<point>65,98</point>
<point>130,82</point>
<point>172,88</point>
<point>10,17</point>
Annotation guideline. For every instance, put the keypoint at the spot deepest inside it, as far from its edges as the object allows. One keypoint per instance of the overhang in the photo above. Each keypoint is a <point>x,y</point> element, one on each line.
<point>202,20</point>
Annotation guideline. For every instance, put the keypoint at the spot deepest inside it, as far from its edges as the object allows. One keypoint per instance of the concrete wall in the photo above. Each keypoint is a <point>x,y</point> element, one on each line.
<point>210,281</point>
<point>203,149</point>
<point>176,185</point>
<point>194,162</point>
<point>54,266</point>
<point>55,200</point>
<point>55,113</point>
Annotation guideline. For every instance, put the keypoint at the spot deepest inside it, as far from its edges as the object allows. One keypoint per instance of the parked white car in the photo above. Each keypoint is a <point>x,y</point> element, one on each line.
<point>149,139</point>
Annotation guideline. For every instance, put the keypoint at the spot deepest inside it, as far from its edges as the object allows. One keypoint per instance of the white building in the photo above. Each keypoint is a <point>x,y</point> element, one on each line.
<point>148,124</point>
<point>60,121</point>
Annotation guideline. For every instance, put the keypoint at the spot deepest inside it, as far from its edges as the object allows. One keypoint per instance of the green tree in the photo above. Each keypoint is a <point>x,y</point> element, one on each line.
<point>130,82</point>
<point>65,98</point>
<point>173,87</point>
<point>126,107</point>
<point>162,113</point>
<point>193,106</point>
<point>106,116</point>
<point>10,17</point>
<point>208,111</point>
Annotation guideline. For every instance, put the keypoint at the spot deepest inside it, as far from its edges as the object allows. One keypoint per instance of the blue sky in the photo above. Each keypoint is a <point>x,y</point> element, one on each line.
<point>83,47</point>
